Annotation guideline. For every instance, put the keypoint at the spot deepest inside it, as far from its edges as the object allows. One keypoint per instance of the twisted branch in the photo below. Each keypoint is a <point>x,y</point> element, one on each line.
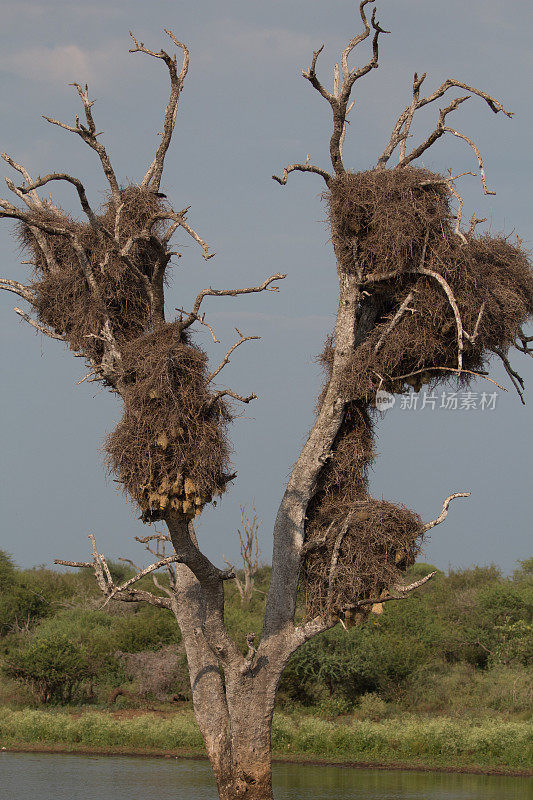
<point>444,513</point>
<point>37,325</point>
<point>302,168</point>
<point>402,126</point>
<point>339,98</point>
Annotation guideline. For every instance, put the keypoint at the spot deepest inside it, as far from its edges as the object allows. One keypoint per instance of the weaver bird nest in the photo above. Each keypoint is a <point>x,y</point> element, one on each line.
<point>170,450</point>
<point>436,304</point>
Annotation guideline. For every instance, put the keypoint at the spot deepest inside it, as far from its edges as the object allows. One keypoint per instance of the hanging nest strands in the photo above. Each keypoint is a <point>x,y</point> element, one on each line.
<point>433,304</point>
<point>64,300</point>
<point>169,451</point>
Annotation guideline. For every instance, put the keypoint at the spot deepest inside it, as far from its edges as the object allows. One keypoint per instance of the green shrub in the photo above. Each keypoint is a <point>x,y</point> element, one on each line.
<point>53,666</point>
<point>514,643</point>
<point>372,706</point>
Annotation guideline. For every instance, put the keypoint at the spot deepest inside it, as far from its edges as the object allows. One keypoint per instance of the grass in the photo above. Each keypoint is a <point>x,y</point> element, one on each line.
<point>443,742</point>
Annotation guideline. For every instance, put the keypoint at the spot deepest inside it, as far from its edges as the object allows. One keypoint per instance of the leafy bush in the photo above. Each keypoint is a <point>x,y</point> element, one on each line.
<point>371,706</point>
<point>52,665</point>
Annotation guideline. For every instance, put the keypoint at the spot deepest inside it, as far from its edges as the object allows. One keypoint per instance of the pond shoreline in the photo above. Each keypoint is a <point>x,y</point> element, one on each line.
<point>502,771</point>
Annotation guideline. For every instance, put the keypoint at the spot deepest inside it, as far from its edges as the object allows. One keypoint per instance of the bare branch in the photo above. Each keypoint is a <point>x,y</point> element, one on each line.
<point>311,76</point>
<point>264,287</point>
<point>417,83</point>
<point>444,513</point>
<point>234,395</point>
<point>399,592</point>
<point>340,97</point>
<point>457,229</point>
<point>179,221</point>
<point>302,168</point>
<point>335,557</point>
<point>523,345</point>
<point>436,134</point>
<point>356,40</point>
<point>516,379</point>
<point>355,74</point>
<point>37,325</point>
<point>316,544</point>
<point>412,586</point>
<point>17,288</point>
<point>394,321</point>
<point>472,337</point>
<point>90,136</point>
<point>153,176</point>
<point>159,537</point>
<point>473,222</point>
<point>478,155</point>
<point>36,200</point>
<point>400,131</point>
<point>107,586</point>
<point>493,104</point>
<point>225,360</point>
<point>62,176</point>
<point>447,369</point>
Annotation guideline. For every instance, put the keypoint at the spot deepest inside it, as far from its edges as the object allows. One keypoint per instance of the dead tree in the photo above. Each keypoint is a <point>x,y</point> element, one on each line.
<point>249,547</point>
<point>421,301</point>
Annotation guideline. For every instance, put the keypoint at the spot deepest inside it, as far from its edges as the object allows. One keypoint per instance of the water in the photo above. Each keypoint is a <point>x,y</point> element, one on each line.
<point>65,777</point>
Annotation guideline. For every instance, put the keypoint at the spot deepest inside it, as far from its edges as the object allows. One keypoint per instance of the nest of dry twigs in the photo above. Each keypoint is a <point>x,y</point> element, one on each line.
<point>414,327</point>
<point>64,301</point>
<point>169,451</point>
<point>362,555</point>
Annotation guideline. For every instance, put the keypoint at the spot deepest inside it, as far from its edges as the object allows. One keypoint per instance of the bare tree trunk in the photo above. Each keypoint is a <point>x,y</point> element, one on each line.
<point>235,713</point>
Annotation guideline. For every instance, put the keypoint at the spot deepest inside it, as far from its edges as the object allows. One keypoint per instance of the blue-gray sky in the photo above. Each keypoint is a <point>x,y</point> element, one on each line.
<point>245,112</point>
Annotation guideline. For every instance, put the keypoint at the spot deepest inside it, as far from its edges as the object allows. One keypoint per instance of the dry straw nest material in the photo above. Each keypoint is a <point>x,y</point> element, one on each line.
<point>169,451</point>
<point>402,223</point>
<point>362,556</point>
<point>388,212</point>
<point>64,300</point>
<point>390,225</point>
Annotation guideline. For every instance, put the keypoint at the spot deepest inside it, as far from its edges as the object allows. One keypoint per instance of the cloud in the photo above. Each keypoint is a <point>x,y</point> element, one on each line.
<point>63,63</point>
<point>35,9</point>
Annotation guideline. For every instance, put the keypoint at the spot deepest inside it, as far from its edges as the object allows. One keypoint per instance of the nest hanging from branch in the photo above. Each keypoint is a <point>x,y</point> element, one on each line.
<point>65,301</point>
<point>169,451</point>
<point>435,306</point>
<point>359,557</point>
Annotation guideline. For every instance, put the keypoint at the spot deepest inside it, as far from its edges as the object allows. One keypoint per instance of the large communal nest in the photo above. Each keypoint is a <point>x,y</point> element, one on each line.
<point>64,300</point>
<point>388,212</point>
<point>169,451</point>
<point>360,556</point>
<point>435,306</point>
<point>435,301</point>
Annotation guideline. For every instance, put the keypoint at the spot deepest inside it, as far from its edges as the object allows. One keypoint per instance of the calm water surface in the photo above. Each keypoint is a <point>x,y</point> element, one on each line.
<point>64,777</point>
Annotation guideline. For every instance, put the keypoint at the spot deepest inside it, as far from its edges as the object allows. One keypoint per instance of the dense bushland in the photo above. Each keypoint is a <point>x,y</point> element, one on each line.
<point>461,644</point>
